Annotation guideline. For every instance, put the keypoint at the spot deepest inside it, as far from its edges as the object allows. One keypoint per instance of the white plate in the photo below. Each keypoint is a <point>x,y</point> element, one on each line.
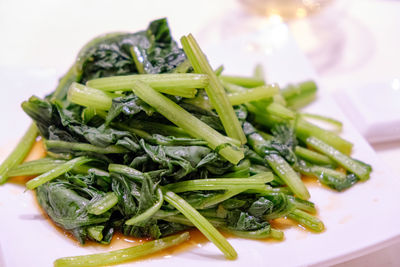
<point>358,221</point>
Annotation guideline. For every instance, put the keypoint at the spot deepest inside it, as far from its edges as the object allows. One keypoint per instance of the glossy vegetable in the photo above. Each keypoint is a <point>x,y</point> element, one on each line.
<point>146,139</point>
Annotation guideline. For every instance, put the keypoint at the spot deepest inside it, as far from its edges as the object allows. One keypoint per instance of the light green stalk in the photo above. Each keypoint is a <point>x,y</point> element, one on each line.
<point>215,90</point>
<point>187,121</point>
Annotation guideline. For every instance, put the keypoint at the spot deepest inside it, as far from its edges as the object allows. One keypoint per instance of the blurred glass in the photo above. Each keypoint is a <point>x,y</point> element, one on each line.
<point>286,9</point>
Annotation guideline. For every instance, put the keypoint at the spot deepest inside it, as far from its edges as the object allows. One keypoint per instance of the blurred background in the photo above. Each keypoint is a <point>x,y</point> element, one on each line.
<point>353,45</point>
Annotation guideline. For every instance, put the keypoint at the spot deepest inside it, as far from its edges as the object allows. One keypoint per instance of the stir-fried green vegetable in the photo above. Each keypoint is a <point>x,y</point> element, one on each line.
<point>145,138</point>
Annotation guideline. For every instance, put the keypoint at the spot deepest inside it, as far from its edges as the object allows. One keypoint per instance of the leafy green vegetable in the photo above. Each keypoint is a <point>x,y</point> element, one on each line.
<point>110,55</point>
<point>135,146</point>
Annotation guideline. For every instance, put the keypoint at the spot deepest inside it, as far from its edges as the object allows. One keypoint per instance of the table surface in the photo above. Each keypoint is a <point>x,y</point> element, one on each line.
<point>349,43</point>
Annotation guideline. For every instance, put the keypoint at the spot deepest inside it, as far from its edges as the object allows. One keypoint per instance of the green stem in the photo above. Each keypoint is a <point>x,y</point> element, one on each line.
<point>254,94</point>
<point>248,82</point>
<point>214,90</point>
<point>335,124</point>
<point>159,128</point>
<point>304,205</point>
<point>54,173</point>
<point>216,222</point>
<point>103,204</point>
<point>123,255</point>
<point>307,220</point>
<point>254,182</point>
<point>56,146</point>
<point>132,173</point>
<point>149,212</point>
<point>159,139</point>
<point>312,156</point>
<point>180,84</point>
<point>276,234</point>
<point>19,153</point>
<point>187,121</point>
<point>85,169</point>
<point>96,232</point>
<point>73,75</point>
<point>263,233</point>
<point>219,70</point>
<point>139,65</point>
<point>288,175</point>
<point>299,95</point>
<point>276,109</point>
<point>211,201</point>
<point>89,97</point>
<point>201,223</point>
<point>362,171</point>
<point>267,189</point>
<point>305,129</point>
<point>258,72</point>
<point>87,114</point>
<point>35,167</point>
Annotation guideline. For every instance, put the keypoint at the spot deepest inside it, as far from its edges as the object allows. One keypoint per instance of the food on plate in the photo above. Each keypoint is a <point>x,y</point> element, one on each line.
<point>145,138</point>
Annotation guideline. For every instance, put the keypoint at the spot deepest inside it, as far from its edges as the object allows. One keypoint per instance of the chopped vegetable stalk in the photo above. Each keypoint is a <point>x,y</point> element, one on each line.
<point>34,167</point>
<point>85,169</point>
<point>299,95</point>
<point>88,114</point>
<point>307,220</point>
<point>360,170</point>
<point>336,180</point>
<point>219,70</point>
<point>123,255</point>
<point>96,232</point>
<point>303,204</point>
<point>266,232</point>
<point>133,174</point>
<point>281,111</point>
<point>259,72</point>
<point>335,124</point>
<point>19,152</point>
<point>103,204</point>
<point>313,156</point>
<point>216,222</point>
<point>74,74</point>
<point>161,140</point>
<point>233,88</point>
<point>55,145</point>
<point>215,90</point>
<point>54,173</point>
<point>147,214</point>
<point>136,58</point>
<point>288,175</point>
<point>211,201</point>
<point>255,182</point>
<point>201,223</point>
<point>254,94</point>
<point>249,82</point>
<point>279,165</point>
<point>186,121</point>
<point>160,128</point>
<point>181,84</point>
<point>89,97</point>
<point>305,129</point>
